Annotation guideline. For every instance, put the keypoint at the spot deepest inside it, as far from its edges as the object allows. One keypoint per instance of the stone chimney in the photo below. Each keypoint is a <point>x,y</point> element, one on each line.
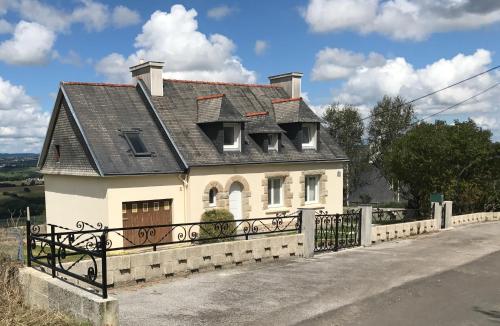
<point>151,72</point>
<point>289,81</point>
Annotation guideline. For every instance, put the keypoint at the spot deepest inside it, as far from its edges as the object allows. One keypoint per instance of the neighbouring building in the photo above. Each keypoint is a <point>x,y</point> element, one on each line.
<point>164,151</point>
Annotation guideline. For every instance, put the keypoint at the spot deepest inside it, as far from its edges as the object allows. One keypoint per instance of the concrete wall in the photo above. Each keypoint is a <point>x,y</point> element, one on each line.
<point>475,218</point>
<point>180,261</point>
<point>42,291</point>
<point>381,233</point>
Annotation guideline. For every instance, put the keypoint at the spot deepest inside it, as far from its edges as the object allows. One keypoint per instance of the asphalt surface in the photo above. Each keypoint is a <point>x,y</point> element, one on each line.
<point>446,278</point>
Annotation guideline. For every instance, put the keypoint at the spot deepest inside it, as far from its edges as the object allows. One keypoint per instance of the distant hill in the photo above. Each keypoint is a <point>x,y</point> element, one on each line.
<point>13,155</point>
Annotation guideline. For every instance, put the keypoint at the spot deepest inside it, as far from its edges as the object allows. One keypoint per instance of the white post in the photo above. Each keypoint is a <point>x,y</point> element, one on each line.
<point>308,229</point>
<point>448,211</point>
<point>437,209</point>
<point>366,225</point>
<point>28,215</point>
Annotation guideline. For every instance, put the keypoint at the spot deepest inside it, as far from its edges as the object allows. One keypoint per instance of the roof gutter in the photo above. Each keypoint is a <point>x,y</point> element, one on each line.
<point>160,121</point>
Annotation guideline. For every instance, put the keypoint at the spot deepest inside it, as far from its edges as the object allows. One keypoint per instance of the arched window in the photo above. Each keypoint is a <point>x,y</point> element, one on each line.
<point>212,197</point>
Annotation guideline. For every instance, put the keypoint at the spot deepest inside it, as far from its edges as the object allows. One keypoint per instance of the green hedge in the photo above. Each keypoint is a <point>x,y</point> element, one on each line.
<point>214,230</point>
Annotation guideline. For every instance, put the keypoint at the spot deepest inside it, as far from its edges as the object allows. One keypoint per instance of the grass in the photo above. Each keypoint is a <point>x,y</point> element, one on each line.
<point>14,312</point>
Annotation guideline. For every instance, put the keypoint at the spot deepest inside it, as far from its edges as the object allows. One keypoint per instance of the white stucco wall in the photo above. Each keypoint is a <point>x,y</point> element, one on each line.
<point>199,178</point>
<point>99,199</point>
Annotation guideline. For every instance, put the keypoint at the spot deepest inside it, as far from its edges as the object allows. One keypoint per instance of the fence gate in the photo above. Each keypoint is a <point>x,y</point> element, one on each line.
<point>337,231</point>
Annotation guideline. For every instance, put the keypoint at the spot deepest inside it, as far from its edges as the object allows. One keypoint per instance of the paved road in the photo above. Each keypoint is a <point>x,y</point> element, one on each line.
<point>446,278</point>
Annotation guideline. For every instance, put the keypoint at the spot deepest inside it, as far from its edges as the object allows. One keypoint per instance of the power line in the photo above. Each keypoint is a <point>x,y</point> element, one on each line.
<point>460,103</point>
<point>436,91</point>
<point>447,108</point>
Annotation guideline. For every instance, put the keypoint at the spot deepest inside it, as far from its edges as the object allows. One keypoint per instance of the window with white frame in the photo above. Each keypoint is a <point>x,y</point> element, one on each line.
<point>312,189</point>
<point>272,140</point>
<point>232,137</point>
<point>212,197</point>
<point>309,135</point>
<point>145,207</point>
<point>156,206</point>
<point>124,208</point>
<point>134,208</point>
<point>275,192</point>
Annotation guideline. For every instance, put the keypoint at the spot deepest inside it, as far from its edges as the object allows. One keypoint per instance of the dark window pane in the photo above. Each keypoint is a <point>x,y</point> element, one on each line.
<point>306,136</point>
<point>135,141</point>
<point>228,135</point>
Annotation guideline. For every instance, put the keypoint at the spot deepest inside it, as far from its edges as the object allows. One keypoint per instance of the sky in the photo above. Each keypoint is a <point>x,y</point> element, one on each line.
<point>350,51</point>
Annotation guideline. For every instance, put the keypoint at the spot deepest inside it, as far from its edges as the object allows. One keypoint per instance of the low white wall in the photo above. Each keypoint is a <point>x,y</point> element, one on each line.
<point>475,218</point>
<point>42,291</point>
<point>145,266</point>
<point>389,232</point>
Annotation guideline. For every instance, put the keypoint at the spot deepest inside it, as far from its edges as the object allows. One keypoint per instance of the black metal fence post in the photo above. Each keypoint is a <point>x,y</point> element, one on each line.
<point>300,221</point>
<point>360,219</point>
<point>28,242</point>
<point>336,247</point>
<point>53,249</point>
<point>104,267</point>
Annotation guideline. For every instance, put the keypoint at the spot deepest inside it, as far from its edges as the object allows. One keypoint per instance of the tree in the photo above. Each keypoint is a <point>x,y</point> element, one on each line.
<point>390,119</point>
<point>345,125</point>
<point>457,160</point>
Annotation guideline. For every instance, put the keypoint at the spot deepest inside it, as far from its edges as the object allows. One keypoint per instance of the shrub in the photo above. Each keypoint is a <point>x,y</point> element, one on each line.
<point>365,198</point>
<point>226,227</point>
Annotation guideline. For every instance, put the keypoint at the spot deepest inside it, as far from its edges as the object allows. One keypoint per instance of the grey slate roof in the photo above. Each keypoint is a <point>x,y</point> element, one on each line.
<point>262,125</point>
<point>295,110</point>
<point>217,109</point>
<point>178,111</point>
<point>102,111</point>
<point>170,129</point>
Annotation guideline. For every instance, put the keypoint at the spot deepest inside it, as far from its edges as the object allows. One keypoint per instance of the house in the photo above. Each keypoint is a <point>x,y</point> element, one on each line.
<point>164,151</point>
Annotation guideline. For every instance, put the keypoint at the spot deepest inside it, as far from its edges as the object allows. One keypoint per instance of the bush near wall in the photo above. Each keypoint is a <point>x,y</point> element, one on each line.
<point>217,229</point>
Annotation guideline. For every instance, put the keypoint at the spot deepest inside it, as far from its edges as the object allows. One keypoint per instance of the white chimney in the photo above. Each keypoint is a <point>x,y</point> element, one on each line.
<point>151,73</point>
<point>289,81</point>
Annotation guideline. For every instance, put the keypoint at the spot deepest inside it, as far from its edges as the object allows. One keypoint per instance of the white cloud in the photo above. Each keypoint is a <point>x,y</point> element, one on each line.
<point>400,19</point>
<point>369,82</point>
<point>22,122</point>
<point>123,17</point>
<point>5,27</point>
<point>333,63</point>
<point>93,15</point>
<point>487,122</point>
<point>30,44</point>
<point>260,47</point>
<point>220,12</point>
<point>173,37</point>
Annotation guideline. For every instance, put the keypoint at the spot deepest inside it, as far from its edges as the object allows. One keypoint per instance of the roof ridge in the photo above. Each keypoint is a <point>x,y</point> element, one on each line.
<point>256,114</point>
<point>281,100</point>
<point>220,83</point>
<point>97,84</point>
<point>208,97</point>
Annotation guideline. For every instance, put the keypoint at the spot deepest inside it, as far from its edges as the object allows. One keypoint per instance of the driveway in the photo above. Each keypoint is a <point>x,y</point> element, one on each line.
<point>394,283</point>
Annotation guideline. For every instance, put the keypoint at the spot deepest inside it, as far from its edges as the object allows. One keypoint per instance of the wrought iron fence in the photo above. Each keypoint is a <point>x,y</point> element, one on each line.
<point>62,250</point>
<point>337,231</point>
<point>392,216</point>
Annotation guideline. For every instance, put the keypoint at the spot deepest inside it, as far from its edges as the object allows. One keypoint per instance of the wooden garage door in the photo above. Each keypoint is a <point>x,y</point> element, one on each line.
<point>147,213</point>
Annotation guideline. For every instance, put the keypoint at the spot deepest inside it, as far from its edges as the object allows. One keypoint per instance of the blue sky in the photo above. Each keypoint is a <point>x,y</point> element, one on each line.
<point>350,51</point>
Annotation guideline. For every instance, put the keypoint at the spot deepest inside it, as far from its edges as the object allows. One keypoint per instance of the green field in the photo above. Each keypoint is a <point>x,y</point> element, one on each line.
<point>16,174</point>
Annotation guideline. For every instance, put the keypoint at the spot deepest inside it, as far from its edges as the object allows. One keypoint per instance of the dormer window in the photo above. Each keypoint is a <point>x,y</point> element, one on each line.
<point>136,144</point>
<point>272,142</point>
<point>232,137</point>
<point>309,135</point>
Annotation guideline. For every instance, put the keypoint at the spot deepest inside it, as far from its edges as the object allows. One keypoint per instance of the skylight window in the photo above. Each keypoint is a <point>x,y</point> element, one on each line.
<point>136,144</point>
